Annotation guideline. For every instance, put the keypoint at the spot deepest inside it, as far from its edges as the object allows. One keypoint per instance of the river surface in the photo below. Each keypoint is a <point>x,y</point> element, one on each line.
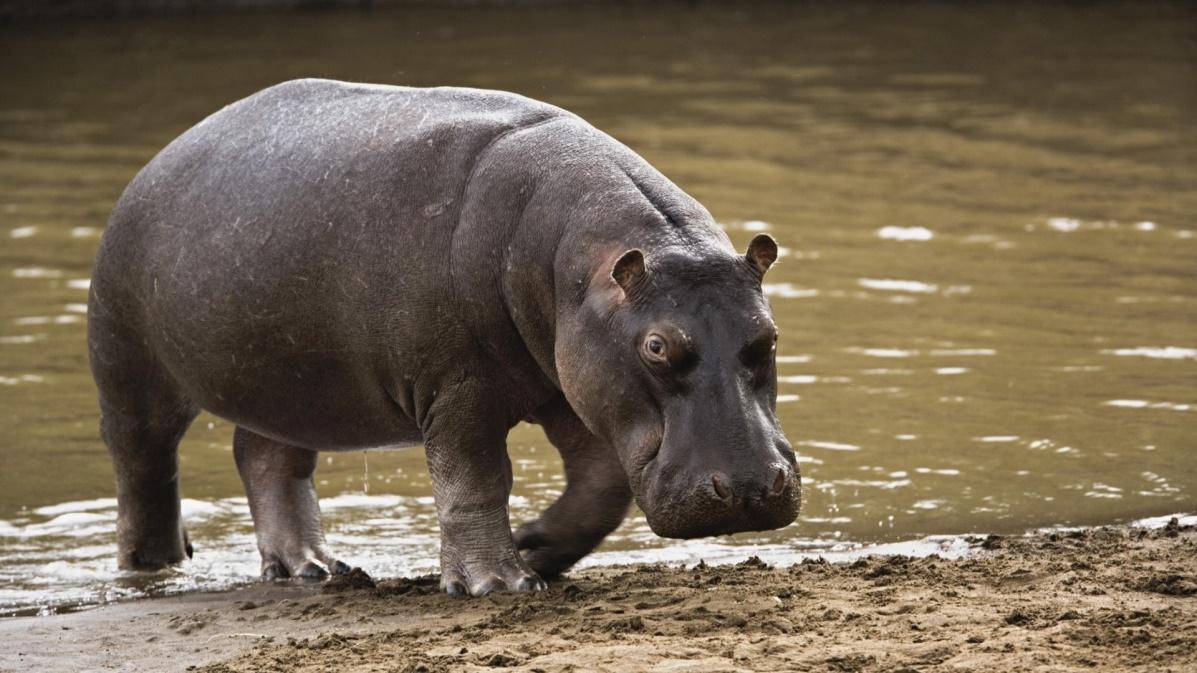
<point>987,295</point>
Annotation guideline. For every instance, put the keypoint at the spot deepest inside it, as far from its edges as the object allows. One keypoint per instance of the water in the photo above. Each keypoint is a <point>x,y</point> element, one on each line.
<point>987,298</point>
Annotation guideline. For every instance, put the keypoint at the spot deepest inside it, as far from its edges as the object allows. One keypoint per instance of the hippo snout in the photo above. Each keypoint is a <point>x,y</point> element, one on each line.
<point>762,490</point>
<point>724,501</point>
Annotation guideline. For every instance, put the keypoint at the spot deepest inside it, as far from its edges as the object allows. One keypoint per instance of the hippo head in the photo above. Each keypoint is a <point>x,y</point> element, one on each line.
<point>671,359</point>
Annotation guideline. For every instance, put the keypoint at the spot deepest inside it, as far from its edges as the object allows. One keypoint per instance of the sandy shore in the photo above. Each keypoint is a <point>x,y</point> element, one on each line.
<point>1107,599</point>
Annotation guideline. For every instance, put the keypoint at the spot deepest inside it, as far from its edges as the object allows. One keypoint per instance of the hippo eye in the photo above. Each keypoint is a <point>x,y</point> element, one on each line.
<point>759,352</point>
<point>655,348</point>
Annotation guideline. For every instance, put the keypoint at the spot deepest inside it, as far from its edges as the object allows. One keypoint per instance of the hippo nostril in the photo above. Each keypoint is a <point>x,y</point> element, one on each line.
<point>720,490</point>
<point>779,483</point>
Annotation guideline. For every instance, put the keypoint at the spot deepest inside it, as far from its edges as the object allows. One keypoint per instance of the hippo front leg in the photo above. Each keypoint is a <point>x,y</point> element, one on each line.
<point>471,480</point>
<point>595,501</point>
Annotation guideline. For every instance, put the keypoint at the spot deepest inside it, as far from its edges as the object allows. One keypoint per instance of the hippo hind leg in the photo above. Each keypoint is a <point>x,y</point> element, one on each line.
<point>142,418</point>
<point>282,500</point>
<point>595,501</point>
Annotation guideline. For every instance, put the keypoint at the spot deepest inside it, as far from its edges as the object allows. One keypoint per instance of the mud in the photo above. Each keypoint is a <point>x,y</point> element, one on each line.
<point>1110,599</point>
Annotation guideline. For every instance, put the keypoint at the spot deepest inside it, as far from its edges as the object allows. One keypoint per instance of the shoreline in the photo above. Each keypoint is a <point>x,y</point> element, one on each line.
<point>949,546</point>
<point>150,586</point>
<point>1113,598</point>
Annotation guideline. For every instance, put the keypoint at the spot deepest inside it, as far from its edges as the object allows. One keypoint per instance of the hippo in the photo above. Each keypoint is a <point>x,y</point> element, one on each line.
<point>333,266</point>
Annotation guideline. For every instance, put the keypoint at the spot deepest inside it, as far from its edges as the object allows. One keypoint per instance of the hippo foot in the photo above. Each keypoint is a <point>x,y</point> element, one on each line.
<point>546,554</point>
<point>283,566</point>
<point>149,555</point>
<point>480,579</point>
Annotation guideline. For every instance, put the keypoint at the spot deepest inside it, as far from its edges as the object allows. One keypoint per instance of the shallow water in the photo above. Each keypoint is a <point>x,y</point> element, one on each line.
<point>987,299</point>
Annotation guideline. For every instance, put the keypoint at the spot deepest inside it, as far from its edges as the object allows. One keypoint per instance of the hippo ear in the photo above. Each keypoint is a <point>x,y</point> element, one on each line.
<point>762,252</point>
<point>629,270</point>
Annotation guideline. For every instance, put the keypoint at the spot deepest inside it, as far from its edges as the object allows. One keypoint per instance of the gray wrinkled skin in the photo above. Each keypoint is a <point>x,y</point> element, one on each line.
<point>335,267</point>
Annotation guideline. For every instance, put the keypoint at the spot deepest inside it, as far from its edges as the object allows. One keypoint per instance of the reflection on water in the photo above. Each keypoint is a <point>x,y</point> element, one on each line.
<point>986,291</point>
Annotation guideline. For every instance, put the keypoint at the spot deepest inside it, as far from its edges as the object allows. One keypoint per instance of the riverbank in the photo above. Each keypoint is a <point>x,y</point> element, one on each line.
<point>1111,598</point>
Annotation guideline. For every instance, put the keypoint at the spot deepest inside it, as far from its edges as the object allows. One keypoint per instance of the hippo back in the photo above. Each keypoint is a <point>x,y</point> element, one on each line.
<point>286,239</point>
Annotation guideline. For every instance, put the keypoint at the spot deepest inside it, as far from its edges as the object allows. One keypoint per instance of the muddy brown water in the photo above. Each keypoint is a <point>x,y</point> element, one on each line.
<point>987,297</point>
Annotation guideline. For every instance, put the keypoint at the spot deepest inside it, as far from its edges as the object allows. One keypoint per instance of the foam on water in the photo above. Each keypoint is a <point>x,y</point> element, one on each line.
<point>887,352</point>
<point>893,233</point>
<point>788,291</point>
<point>1156,352</point>
<point>831,446</point>
<point>1144,404</point>
<point>36,272</point>
<point>1161,521</point>
<point>798,379</point>
<point>892,285</point>
<point>713,553</point>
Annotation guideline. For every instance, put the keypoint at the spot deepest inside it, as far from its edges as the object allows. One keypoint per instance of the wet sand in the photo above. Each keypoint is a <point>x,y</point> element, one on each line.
<point>1110,599</point>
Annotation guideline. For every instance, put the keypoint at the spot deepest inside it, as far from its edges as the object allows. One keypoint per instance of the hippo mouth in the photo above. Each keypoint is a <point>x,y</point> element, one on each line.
<point>682,504</point>
<point>643,470</point>
<point>700,512</point>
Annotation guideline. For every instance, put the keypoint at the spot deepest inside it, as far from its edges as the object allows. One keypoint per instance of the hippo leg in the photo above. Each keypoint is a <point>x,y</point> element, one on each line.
<point>471,481</point>
<point>282,500</point>
<point>595,501</point>
<point>142,418</point>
